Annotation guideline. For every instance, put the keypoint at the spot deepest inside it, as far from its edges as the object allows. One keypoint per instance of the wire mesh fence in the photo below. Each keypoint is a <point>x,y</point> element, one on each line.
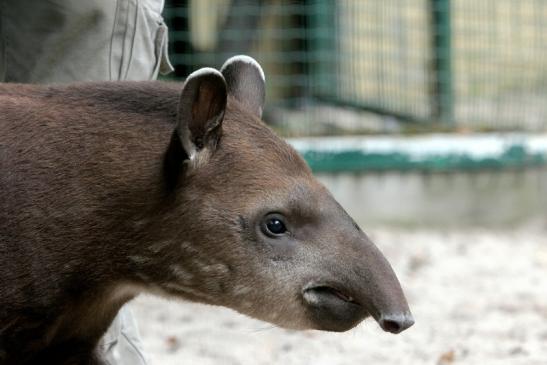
<point>369,66</point>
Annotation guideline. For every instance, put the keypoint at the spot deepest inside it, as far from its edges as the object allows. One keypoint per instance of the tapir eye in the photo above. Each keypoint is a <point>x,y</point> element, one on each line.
<point>274,225</point>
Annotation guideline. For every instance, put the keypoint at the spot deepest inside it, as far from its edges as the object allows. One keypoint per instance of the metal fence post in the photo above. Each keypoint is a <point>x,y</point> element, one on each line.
<point>321,38</point>
<point>442,97</point>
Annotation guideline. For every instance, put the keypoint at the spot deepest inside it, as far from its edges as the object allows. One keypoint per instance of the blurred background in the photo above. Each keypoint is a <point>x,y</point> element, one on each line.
<point>427,119</point>
<point>440,65</point>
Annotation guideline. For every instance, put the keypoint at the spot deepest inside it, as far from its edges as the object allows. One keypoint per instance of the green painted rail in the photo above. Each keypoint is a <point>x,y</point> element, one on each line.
<point>434,153</point>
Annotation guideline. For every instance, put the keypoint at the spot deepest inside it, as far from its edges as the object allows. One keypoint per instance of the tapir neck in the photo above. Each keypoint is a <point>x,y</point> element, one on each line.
<point>100,172</point>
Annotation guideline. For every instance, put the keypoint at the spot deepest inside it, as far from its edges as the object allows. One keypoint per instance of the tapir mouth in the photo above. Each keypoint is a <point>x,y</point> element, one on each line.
<point>328,291</point>
<point>332,308</point>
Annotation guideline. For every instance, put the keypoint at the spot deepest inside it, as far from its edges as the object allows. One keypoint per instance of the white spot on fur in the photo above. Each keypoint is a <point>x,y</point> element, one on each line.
<point>141,222</point>
<point>139,259</point>
<point>242,290</point>
<point>246,304</point>
<point>181,274</point>
<point>199,158</point>
<point>126,290</point>
<point>215,268</point>
<point>143,277</point>
<point>187,247</point>
<point>160,246</point>
<point>185,290</point>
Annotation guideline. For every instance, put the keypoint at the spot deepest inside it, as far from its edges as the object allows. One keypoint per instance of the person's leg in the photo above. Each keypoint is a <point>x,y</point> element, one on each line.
<point>53,41</point>
<point>122,344</point>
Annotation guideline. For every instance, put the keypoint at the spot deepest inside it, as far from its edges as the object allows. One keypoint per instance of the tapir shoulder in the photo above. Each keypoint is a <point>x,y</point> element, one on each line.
<point>136,97</point>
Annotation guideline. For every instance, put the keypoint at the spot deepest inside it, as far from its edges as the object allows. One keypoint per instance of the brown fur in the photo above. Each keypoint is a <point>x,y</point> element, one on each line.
<point>99,203</point>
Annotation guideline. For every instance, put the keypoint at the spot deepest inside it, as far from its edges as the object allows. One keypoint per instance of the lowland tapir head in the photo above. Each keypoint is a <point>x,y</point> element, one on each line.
<point>260,234</point>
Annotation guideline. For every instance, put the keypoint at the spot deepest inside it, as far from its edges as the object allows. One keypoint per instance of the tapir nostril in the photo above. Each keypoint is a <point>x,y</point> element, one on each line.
<point>396,323</point>
<point>391,326</point>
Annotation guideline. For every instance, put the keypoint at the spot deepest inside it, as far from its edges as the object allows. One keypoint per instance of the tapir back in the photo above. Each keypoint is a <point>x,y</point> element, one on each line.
<point>73,159</point>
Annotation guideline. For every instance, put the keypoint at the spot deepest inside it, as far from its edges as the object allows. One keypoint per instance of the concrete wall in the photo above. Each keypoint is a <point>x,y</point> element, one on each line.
<point>454,199</point>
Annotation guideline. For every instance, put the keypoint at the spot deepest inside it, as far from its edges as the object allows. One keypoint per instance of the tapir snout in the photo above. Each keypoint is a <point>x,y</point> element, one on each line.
<point>365,286</point>
<point>351,279</point>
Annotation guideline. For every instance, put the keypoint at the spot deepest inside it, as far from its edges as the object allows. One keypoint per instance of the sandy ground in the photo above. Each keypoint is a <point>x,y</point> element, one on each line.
<point>478,297</point>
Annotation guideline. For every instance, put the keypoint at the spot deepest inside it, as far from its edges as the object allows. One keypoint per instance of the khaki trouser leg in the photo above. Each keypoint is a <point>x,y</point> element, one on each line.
<point>54,41</point>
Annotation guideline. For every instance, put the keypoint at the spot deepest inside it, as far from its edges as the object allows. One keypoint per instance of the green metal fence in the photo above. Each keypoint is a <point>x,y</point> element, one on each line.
<point>355,65</point>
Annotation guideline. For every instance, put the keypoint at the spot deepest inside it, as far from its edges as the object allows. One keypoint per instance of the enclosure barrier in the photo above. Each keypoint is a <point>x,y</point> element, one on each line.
<point>381,66</point>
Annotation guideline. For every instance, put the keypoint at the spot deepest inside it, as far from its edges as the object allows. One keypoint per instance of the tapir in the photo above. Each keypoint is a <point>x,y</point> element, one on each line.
<point>111,189</point>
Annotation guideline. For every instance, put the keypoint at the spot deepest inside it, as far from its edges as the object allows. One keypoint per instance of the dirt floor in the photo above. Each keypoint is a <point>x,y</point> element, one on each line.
<point>478,297</point>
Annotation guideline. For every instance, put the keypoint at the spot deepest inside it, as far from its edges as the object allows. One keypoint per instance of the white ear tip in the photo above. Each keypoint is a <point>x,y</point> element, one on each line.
<point>205,71</point>
<point>245,59</point>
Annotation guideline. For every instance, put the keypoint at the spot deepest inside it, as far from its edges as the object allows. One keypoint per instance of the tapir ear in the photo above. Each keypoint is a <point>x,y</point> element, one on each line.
<point>201,110</point>
<point>246,82</point>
